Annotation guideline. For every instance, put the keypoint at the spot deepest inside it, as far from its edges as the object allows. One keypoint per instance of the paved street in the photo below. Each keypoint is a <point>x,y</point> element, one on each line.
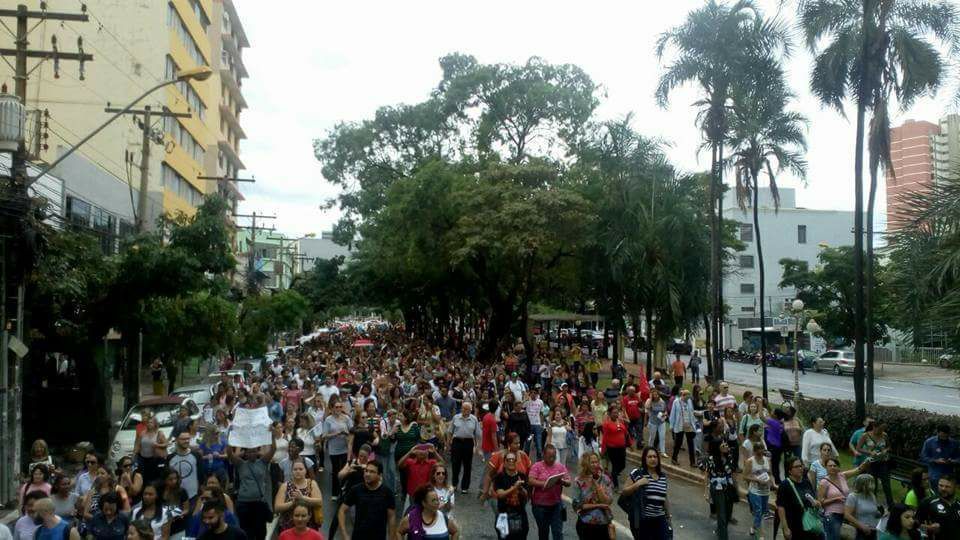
<point>933,389</point>
<point>690,513</point>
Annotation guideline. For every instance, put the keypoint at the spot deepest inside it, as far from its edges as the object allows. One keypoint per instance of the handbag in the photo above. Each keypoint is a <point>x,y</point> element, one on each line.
<point>514,523</point>
<point>811,518</point>
<point>317,511</point>
<point>633,505</point>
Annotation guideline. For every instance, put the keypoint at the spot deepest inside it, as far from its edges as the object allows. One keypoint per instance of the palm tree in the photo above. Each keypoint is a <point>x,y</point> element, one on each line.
<point>765,138</point>
<point>870,42</point>
<point>713,47</point>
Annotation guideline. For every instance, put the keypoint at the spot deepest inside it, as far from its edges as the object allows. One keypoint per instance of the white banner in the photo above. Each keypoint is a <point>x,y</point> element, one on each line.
<point>250,428</point>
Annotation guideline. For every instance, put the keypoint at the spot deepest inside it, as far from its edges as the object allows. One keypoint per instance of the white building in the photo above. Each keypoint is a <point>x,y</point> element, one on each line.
<point>792,232</point>
<point>311,249</point>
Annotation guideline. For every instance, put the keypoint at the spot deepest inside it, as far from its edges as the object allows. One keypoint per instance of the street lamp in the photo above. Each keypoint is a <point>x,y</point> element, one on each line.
<point>812,328</point>
<point>200,73</point>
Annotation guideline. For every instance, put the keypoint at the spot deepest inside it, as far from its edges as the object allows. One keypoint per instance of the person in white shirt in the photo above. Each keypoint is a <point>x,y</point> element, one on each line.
<point>516,387</point>
<point>812,439</point>
<point>326,390</point>
<point>534,409</point>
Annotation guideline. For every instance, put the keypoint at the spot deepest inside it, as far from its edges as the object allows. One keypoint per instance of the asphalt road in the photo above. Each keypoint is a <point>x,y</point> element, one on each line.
<point>691,518</point>
<point>933,389</point>
<point>932,395</point>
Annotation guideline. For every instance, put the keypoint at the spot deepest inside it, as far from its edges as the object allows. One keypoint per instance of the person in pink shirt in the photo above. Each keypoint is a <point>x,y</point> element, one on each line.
<point>292,397</point>
<point>547,478</point>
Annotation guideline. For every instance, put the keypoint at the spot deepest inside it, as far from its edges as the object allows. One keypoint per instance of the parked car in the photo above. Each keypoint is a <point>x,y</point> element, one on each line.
<point>252,365</point>
<point>948,360</point>
<point>786,360</point>
<point>198,393</point>
<point>214,379</point>
<point>838,362</point>
<point>680,346</point>
<point>163,408</point>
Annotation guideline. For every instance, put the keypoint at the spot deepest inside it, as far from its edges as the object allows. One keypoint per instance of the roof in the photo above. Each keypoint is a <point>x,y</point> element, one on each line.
<point>164,400</point>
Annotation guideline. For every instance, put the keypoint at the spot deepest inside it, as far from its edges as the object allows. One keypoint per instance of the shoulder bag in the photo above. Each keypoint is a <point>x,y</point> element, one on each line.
<point>811,518</point>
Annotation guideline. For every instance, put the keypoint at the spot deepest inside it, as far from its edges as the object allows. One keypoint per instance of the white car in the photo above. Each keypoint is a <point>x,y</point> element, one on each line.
<point>163,408</point>
<point>213,379</point>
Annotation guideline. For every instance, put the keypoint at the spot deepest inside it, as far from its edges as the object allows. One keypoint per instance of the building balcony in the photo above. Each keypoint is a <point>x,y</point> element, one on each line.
<point>231,152</point>
<point>231,118</point>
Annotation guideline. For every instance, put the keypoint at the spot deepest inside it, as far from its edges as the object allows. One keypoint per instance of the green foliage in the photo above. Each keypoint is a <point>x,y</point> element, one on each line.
<point>828,290</point>
<point>68,292</point>
<point>262,317</point>
<point>907,429</point>
<point>923,272</point>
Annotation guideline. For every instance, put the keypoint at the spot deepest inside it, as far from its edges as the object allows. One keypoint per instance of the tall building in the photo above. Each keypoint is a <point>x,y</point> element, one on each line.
<point>791,232</point>
<point>271,255</point>
<point>135,46</point>
<point>923,154</point>
<point>312,248</point>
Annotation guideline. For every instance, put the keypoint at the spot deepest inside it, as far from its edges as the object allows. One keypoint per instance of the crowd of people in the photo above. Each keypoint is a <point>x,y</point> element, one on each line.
<point>396,429</point>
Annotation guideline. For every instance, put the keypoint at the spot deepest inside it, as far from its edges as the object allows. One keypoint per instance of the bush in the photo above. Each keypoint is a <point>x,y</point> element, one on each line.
<point>906,428</point>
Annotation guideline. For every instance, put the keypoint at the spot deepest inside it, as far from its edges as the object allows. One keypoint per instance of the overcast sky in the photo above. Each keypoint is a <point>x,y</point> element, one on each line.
<point>313,64</point>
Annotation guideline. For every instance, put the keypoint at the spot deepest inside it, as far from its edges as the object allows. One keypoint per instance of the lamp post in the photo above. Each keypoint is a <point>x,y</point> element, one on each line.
<point>811,327</point>
<point>200,73</point>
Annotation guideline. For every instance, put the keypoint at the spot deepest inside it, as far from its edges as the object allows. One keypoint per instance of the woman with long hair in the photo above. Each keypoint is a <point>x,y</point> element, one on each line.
<point>757,471</point>
<point>614,442</point>
<point>151,509</point>
<point>173,495</point>
<point>861,509</point>
<point>919,488</point>
<point>439,481</point>
<point>557,434</point>
<point>300,488</point>
<point>592,497</point>
<point>300,529</point>
<point>40,455</point>
<point>650,515</point>
<point>39,481</point>
<point>832,491</point>
<point>64,499</point>
<point>426,520</point>
<point>140,530</point>
<point>149,449</point>
<point>306,434</point>
<point>720,466</point>
<point>130,478</point>
<point>902,524</point>
<point>874,445</point>
<point>214,452</point>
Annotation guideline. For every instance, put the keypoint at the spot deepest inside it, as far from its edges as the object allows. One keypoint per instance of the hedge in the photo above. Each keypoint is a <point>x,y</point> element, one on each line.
<point>907,429</point>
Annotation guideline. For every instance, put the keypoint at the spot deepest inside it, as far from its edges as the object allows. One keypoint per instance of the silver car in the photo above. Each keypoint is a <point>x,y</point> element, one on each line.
<point>838,362</point>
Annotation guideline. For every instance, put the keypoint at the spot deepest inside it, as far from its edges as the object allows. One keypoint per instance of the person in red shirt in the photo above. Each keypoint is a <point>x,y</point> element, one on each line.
<point>489,432</point>
<point>417,464</point>
<point>633,408</point>
<point>300,530</point>
<point>614,440</point>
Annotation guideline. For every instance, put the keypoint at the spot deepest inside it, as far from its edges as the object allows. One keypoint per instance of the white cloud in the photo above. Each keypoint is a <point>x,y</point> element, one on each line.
<point>313,64</point>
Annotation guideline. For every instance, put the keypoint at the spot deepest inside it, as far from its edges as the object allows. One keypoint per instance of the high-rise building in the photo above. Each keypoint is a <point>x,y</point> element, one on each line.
<point>135,46</point>
<point>922,153</point>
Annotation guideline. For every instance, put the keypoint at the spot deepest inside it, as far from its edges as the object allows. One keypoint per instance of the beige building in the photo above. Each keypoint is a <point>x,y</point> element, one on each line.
<point>921,153</point>
<point>136,45</point>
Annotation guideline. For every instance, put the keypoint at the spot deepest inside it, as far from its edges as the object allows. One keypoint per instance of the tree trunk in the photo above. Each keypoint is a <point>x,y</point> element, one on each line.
<point>709,343</point>
<point>636,338</point>
<point>868,289</point>
<point>131,374</point>
<point>719,254</point>
<point>756,236</point>
<point>649,314</point>
<point>714,259</point>
<point>858,304</point>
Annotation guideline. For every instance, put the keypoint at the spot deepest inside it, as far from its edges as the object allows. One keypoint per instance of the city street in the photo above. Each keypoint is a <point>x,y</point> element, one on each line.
<point>691,518</point>
<point>915,387</point>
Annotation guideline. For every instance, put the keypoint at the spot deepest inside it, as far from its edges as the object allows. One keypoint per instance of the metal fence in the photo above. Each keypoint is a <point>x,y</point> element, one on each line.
<point>922,355</point>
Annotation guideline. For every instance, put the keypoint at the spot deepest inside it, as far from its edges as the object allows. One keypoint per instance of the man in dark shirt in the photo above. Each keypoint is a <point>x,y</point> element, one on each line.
<point>374,516</point>
<point>941,514</point>
<point>518,422</point>
<point>217,527</point>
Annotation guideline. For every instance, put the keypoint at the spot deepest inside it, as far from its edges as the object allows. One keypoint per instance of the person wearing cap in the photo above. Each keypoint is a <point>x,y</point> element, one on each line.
<point>612,393</point>
<point>489,429</point>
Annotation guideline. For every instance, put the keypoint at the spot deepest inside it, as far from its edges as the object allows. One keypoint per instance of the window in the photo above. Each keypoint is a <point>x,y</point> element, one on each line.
<point>174,21</point>
<point>201,16</point>
<point>182,137</point>
<point>746,288</point>
<point>193,99</point>
<point>103,224</point>
<point>746,309</point>
<point>179,186</point>
<point>746,261</point>
<point>78,212</point>
<point>801,234</point>
<point>746,232</point>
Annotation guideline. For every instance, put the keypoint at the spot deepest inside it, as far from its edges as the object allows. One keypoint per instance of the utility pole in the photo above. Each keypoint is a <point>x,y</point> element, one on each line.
<point>146,115</point>
<point>16,253</point>
<point>253,238</point>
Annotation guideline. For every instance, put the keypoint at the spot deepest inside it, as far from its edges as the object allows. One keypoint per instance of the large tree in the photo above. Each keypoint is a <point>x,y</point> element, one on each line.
<point>766,139</point>
<point>714,49</point>
<point>857,45</point>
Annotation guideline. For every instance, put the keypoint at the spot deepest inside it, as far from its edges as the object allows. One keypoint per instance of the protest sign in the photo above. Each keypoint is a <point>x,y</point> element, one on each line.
<point>250,428</point>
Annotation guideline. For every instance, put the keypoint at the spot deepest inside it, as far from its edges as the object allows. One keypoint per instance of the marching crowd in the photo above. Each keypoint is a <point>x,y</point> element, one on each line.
<point>397,428</point>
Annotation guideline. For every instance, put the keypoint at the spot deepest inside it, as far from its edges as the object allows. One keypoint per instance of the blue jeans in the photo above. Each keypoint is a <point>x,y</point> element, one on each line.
<point>537,431</point>
<point>832,523</point>
<point>758,506</point>
<point>548,519</point>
